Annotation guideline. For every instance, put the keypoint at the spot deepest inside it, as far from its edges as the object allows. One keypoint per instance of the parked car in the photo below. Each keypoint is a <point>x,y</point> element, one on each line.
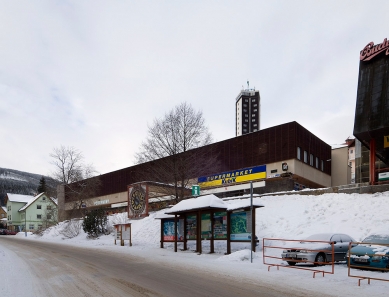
<point>310,252</point>
<point>372,253</point>
<point>3,231</point>
<point>9,232</point>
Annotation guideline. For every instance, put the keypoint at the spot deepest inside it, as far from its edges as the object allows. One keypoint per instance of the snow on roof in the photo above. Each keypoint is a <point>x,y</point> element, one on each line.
<point>207,201</point>
<point>19,198</point>
<point>34,199</point>
<point>237,204</point>
<point>4,208</point>
<point>164,216</point>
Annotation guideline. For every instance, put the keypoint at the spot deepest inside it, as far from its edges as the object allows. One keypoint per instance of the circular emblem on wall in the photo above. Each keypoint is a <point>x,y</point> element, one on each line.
<point>137,200</point>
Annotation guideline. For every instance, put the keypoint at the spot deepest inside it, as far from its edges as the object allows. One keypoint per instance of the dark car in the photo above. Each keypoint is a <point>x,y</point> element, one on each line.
<point>3,231</point>
<point>371,253</point>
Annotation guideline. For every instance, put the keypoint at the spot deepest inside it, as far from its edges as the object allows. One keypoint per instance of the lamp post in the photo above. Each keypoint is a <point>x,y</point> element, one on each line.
<point>25,222</point>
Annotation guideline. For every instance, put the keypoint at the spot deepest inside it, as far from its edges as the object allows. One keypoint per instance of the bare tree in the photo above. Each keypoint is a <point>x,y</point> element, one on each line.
<point>170,145</point>
<point>78,178</point>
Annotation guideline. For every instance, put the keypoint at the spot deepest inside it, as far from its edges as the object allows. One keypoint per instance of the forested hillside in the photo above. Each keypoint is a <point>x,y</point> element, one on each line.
<point>19,182</point>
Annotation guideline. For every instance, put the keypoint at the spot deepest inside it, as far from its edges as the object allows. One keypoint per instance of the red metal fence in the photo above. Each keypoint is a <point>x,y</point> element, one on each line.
<point>276,250</point>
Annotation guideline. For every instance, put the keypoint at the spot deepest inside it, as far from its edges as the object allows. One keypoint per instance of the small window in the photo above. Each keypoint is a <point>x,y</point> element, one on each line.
<point>255,105</point>
<point>351,151</point>
<point>322,165</point>
<point>39,216</point>
<point>31,227</point>
<point>48,207</point>
<point>311,159</point>
<point>305,157</point>
<point>298,153</point>
<point>38,206</point>
<point>43,198</point>
<point>317,162</point>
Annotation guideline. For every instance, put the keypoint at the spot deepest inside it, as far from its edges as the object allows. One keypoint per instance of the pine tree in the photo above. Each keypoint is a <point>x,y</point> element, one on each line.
<point>42,185</point>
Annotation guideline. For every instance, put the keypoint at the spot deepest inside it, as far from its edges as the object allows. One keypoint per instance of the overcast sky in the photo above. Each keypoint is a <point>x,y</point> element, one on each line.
<point>94,74</point>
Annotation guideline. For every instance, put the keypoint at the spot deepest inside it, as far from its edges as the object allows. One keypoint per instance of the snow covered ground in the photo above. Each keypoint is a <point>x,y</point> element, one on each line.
<point>289,217</point>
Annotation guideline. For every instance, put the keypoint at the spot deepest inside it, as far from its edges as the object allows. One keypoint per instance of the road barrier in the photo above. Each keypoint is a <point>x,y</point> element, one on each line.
<point>365,261</point>
<point>271,245</point>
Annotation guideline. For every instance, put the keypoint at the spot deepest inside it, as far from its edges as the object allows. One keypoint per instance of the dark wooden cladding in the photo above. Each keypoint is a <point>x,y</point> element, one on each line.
<point>372,106</point>
<point>266,146</point>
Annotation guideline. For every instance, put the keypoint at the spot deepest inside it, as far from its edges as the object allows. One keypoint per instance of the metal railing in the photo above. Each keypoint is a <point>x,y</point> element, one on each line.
<point>366,261</point>
<point>290,244</point>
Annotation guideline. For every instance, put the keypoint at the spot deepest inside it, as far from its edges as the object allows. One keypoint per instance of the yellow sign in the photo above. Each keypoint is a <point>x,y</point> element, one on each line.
<point>386,141</point>
<point>236,176</point>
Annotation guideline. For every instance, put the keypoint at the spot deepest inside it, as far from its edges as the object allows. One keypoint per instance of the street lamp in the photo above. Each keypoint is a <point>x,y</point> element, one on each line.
<point>25,222</point>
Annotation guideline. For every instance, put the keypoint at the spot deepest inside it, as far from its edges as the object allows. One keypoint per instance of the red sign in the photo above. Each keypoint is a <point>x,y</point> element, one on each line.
<point>371,50</point>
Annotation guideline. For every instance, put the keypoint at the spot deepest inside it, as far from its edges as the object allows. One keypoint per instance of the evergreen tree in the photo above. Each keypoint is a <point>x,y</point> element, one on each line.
<point>95,223</point>
<point>42,185</point>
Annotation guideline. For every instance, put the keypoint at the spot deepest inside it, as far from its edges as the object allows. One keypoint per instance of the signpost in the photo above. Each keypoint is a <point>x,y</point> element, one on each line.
<point>195,190</point>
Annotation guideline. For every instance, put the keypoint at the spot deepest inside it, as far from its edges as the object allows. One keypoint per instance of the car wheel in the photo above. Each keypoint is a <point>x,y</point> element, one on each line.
<point>291,263</point>
<point>320,257</point>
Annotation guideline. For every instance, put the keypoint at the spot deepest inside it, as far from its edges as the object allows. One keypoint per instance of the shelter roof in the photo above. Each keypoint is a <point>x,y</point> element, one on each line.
<point>200,203</point>
<point>246,203</point>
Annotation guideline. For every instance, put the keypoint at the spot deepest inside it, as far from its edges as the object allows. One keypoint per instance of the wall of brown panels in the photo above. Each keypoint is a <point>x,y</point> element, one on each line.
<point>258,148</point>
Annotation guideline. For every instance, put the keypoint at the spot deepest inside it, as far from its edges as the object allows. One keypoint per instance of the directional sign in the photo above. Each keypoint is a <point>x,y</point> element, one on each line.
<point>195,190</point>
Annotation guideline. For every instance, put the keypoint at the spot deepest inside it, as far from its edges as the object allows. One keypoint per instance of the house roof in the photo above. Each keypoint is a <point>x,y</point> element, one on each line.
<point>4,208</point>
<point>19,198</point>
<point>34,199</point>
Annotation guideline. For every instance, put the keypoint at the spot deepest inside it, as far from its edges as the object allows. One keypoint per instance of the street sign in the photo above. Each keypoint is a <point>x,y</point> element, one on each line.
<point>195,190</point>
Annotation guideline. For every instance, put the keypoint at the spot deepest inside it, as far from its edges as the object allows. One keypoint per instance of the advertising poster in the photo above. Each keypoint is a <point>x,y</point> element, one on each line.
<point>191,227</point>
<point>220,227</point>
<point>241,226</point>
<point>168,230</point>
<point>206,231</point>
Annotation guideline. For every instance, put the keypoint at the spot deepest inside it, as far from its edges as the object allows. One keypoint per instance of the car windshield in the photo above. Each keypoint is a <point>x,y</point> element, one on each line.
<point>321,237</point>
<point>377,238</point>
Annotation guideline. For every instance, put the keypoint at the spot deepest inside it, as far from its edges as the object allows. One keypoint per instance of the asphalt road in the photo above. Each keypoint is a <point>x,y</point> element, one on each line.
<point>63,270</point>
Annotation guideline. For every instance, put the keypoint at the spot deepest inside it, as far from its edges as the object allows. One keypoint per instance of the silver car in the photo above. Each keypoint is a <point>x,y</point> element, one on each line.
<point>320,252</point>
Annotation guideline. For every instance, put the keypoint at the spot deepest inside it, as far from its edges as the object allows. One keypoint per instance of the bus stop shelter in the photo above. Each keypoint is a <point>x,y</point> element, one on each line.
<point>209,218</point>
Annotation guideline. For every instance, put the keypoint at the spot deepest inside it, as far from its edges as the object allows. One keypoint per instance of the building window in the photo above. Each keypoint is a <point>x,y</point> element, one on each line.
<point>31,227</point>
<point>305,157</point>
<point>322,165</point>
<point>253,120</point>
<point>255,105</point>
<point>255,110</point>
<point>48,207</point>
<point>351,151</point>
<point>317,162</point>
<point>39,227</point>
<point>43,198</point>
<point>253,115</point>
<point>311,159</point>
<point>39,216</point>
<point>9,208</point>
<point>246,120</point>
<point>39,206</point>
<point>298,153</point>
